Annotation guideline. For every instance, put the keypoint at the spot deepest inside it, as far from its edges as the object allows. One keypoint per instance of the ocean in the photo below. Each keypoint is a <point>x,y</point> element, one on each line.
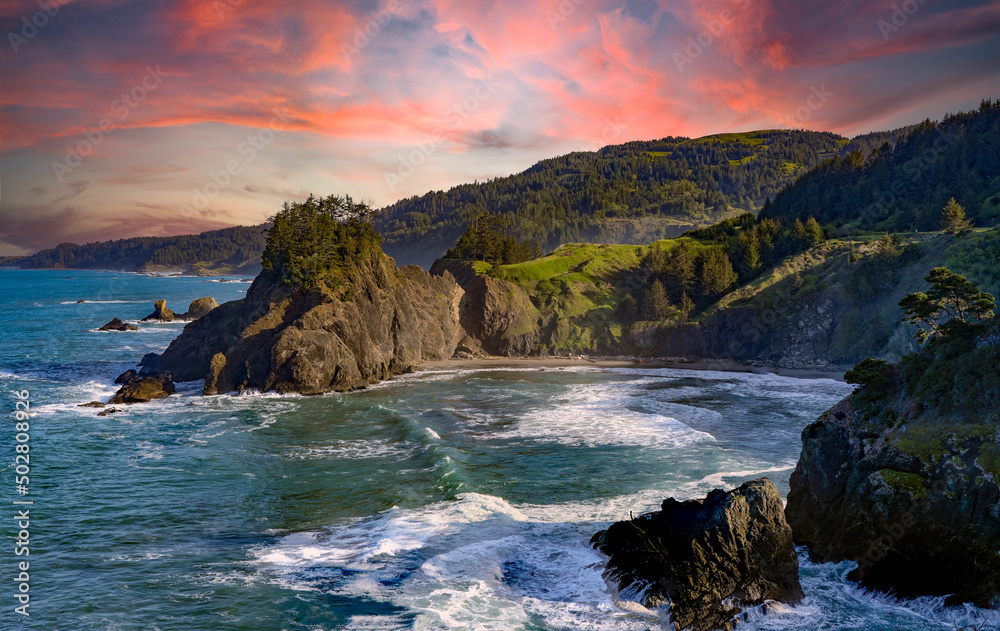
<point>445,499</point>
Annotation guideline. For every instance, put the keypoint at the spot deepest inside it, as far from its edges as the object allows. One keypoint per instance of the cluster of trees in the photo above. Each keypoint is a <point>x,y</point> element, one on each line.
<point>622,193</point>
<point>866,143</point>
<point>952,317</point>
<point>317,242</point>
<point>902,188</point>
<point>680,280</point>
<point>236,247</point>
<point>691,275</point>
<point>486,239</point>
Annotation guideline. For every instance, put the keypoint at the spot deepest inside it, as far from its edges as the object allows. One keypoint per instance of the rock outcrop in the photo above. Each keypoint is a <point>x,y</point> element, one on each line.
<point>117,325</point>
<point>383,321</point>
<point>915,502</point>
<point>706,560</point>
<point>501,316</point>
<point>200,307</point>
<point>160,312</point>
<point>142,388</point>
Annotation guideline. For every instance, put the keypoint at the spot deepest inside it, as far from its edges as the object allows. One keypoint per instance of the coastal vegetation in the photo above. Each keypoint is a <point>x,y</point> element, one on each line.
<point>319,241</point>
<point>916,444</point>
<point>903,187</point>
<point>633,193</point>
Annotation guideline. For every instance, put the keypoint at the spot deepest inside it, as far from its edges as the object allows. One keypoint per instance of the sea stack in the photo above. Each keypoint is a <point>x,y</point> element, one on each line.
<point>160,312</point>
<point>704,561</point>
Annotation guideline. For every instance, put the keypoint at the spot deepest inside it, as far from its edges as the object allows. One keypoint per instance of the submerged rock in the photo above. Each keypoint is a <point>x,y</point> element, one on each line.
<point>142,389</point>
<point>200,307</point>
<point>117,325</point>
<point>706,560</point>
<point>91,404</point>
<point>160,312</point>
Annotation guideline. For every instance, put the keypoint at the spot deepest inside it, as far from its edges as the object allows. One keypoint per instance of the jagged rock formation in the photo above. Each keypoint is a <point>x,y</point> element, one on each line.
<point>117,325</point>
<point>706,560</point>
<point>160,312</point>
<point>200,307</point>
<point>383,321</point>
<point>500,315</point>
<point>915,503</point>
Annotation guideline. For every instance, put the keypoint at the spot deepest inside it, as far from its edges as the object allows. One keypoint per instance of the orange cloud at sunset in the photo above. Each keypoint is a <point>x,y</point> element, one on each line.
<point>344,92</point>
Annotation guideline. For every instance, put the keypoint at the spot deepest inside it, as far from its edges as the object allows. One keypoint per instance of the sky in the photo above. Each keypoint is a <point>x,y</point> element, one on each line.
<point>124,118</point>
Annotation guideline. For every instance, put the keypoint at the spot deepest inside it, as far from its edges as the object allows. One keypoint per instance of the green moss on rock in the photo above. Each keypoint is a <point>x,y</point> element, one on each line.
<point>910,483</point>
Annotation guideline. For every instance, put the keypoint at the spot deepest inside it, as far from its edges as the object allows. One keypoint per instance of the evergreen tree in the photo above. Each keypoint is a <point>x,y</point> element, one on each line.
<point>814,231</point>
<point>953,217</point>
<point>657,305</point>
<point>951,298</point>
<point>749,252</point>
<point>717,274</point>
<point>686,307</point>
<point>628,307</point>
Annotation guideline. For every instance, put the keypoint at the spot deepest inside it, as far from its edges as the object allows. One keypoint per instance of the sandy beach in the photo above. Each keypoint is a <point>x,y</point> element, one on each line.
<point>722,365</point>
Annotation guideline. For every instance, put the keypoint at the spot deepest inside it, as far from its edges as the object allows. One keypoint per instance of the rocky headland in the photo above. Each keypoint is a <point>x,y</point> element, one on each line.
<point>902,476</point>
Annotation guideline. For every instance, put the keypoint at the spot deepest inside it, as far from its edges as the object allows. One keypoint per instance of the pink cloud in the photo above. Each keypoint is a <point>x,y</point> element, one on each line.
<point>517,81</point>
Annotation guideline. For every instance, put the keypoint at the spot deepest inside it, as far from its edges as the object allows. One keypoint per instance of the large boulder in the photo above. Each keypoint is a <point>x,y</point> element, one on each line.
<point>706,560</point>
<point>142,389</point>
<point>160,312</point>
<point>915,503</point>
<point>200,307</point>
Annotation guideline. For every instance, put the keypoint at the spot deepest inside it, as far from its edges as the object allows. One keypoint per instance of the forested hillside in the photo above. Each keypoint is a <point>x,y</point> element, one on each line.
<point>636,192</point>
<point>234,250</point>
<point>904,188</point>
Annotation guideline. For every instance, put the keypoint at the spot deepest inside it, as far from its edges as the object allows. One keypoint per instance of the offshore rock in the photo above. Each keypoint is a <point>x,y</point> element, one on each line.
<point>117,325</point>
<point>200,307</point>
<point>142,389</point>
<point>917,506</point>
<point>383,321</point>
<point>706,560</point>
<point>160,312</point>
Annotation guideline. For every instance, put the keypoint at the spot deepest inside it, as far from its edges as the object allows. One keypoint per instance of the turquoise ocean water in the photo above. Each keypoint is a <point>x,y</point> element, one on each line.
<point>456,499</point>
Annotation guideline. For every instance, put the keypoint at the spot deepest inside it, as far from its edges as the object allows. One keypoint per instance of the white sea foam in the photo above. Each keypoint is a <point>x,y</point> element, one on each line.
<point>354,450</point>
<point>593,415</point>
<point>477,563</point>
<point>103,302</point>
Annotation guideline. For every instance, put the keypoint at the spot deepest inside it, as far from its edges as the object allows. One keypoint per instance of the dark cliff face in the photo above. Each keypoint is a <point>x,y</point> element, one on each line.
<point>501,316</point>
<point>706,559</point>
<point>917,505</point>
<point>384,322</point>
